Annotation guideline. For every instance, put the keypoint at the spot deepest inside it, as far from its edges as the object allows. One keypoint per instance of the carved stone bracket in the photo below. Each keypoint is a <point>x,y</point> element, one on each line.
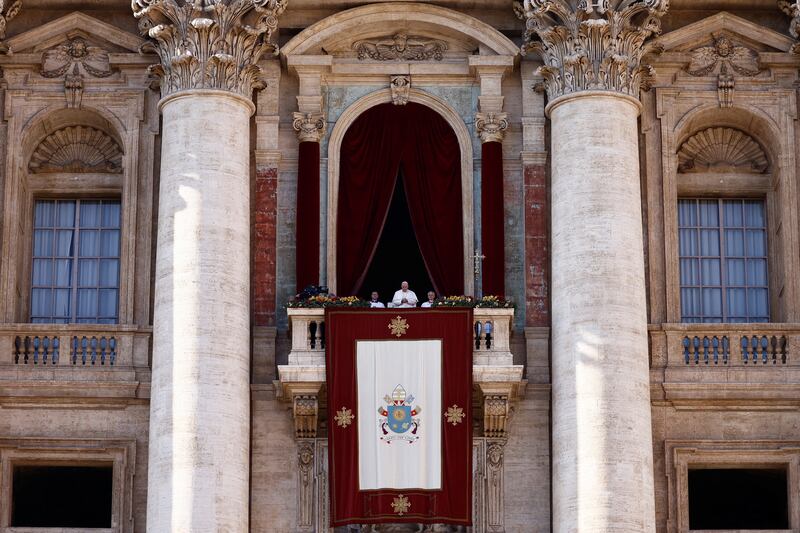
<point>74,59</point>
<point>306,413</point>
<point>209,44</point>
<point>792,8</point>
<point>491,127</point>
<point>592,45</point>
<point>401,89</point>
<point>723,58</point>
<point>400,46</point>
<point>310,127</point>
<point>496,410</point>
<point>7,12</point>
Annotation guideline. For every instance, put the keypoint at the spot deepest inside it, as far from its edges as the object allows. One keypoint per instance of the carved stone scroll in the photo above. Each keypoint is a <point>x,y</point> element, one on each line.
<point>722,150</point>
<point>491,127</point>
<point>309,126</point>
<point>209,44</point>
<point>592,45</point>
<point>401,46</point>
<point>77,149</point>
<point>401,89</point>
<point>8,10</point>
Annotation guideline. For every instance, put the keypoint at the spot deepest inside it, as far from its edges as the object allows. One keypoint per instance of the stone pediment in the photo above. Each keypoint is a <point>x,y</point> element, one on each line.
<point>95,32</point>
<point>739,30</point>
<point>425,27</point>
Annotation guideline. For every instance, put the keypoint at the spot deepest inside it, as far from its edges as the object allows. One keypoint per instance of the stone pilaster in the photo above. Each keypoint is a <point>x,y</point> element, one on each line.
<point>199,453</point>
<point>602,436</point>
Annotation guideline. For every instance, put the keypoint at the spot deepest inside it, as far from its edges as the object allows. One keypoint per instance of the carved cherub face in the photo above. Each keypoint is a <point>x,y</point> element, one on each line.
<point>78,48</point>
<point>400,41</point>
<point>724,47</point>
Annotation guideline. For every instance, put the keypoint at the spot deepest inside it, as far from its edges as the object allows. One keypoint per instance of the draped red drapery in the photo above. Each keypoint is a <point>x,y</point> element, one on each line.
<point>307,251</point>
<point>492,219</point>
<point>373,150</point>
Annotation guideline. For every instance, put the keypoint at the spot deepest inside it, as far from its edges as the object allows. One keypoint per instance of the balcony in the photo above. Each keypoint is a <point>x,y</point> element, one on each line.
<point>732,364</point>
<point>494,373</point>
<point>73,360</point>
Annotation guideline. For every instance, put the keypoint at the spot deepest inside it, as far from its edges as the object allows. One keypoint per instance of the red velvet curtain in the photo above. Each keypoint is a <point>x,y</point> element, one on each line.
<point>492,219</point>
<point>373,149</point>
<point>307,230</point>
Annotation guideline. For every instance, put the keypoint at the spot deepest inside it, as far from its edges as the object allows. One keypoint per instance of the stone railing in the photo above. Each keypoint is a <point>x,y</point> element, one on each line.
<point>740,345</point>
<point>75,345</point>
<point>492,336</point>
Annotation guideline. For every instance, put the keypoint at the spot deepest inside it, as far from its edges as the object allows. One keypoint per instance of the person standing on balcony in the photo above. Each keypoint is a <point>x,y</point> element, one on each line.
<point>431,299</point>
<point>404,297</point>
<point>374,302</point>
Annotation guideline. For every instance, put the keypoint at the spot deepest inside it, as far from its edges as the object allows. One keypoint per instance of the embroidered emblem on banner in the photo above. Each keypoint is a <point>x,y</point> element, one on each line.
<point>454,415</point>
<point>399,422</point>
<point>398,326</point>
<point>344,417</point>
<point>401,505</point>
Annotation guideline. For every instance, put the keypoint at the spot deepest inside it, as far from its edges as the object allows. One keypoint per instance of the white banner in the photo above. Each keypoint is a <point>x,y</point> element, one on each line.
<point>399,414</point>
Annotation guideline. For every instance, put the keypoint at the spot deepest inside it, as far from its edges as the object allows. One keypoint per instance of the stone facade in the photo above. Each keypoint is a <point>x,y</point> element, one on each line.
<point>207,395</point>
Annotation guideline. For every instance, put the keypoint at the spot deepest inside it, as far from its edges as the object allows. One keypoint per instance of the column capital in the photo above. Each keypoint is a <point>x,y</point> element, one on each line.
<point>7,12</point>
<point>491,127</point>
<point>209,44</point>
<point>792,8</point>
<point>592,44</point>
<point>310,127</point>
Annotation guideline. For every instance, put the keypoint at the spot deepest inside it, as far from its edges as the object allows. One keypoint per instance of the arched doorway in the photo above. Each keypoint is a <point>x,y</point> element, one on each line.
<point>412,149</point>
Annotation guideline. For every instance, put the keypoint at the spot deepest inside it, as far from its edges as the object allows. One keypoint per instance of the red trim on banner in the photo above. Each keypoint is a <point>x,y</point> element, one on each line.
<point>349,505</point>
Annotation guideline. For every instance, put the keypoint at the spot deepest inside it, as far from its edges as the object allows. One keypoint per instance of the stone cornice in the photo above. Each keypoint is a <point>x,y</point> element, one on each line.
<point>209,44</point>
<point>592,44</point>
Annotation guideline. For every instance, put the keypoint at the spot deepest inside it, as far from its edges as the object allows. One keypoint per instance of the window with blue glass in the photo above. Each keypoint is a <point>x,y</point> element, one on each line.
<point>76,248</point>
<point>723,260</point>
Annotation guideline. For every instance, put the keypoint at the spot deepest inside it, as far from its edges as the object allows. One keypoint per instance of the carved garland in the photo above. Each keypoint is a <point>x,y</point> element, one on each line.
<point>592,44</point>
<point>721,149</point>
<point>209,44</point>
<point>400,46</point>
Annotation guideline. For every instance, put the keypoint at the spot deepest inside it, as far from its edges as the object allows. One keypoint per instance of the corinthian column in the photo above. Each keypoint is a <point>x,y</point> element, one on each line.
<point>198,472</point>
<point>602,435</point>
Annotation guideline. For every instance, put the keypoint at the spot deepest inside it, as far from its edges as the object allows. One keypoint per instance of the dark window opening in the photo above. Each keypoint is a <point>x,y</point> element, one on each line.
<point>738,498</point>
<point>62,496</point>
<point>397,257</point>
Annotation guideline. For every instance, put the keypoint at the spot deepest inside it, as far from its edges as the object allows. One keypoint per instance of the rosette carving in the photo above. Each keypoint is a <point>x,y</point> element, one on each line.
<point>592,44</point>
<point>209,44</point>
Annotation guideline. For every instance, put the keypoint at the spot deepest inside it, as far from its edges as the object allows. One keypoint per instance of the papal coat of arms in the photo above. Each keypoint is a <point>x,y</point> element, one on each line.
<point>400,422</point>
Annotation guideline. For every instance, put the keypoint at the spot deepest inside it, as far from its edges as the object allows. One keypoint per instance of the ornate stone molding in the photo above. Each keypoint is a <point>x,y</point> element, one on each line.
<point>310,127</point>
<point>401,89</point>
<point>792,8</point>
<point>723,58</point>
<point>8,10</point>
<point>496,411</point>
<point>592,44</point>
<point>209,44</point>
<point>306,413</point>
<point>400,46</point>
<point>77,149</point>
<point>74,59</point>
<point>721,150</point>
<point>491,127</point>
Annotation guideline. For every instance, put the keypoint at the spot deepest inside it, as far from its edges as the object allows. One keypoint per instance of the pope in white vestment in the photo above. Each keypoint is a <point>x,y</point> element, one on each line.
<point>404,297</point>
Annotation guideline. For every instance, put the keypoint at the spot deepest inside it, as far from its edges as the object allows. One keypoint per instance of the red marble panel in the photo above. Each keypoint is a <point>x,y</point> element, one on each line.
<point>264,245</point>
<point>537,253</point>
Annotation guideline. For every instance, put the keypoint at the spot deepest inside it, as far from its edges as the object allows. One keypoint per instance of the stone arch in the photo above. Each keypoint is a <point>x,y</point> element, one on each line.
<point>70,140</point>
<point>379,19</point>
<point>750,121</point>
<point>464,140</point>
